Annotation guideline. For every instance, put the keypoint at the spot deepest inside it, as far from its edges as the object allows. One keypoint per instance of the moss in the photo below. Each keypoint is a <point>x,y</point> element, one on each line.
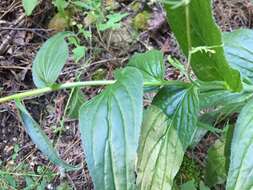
<point>136,6</point>
<point>140,21</point>
<point>189,170</point>
<point>59,22</point>
<point>99,74</point>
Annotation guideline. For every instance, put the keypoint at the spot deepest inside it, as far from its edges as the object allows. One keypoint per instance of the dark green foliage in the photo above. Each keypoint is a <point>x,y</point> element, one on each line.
<point>201,31</point>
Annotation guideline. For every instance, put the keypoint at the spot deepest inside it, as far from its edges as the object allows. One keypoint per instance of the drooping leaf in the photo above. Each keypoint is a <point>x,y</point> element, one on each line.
<point>76,101</point>
<point>160,152</point>
<point>208,66</point>
<point>29,6</point>
<point>215,171</point>
<point>40,139</point>
<point>50,60</point>
<point>181,104</point>
<point>239,51</point>
<point>110,127</point>
<point>240,175</point>
<point>150,64</point>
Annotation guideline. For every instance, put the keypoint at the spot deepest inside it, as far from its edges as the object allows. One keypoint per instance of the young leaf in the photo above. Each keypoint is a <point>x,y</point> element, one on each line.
<point>61,5</point>
<point>110,127</point>
<point>76,101</point>
<point>150,64</point>
<point>203,32</point>
<point>40,139</point>
<point>29,6</point>
<point>239,51</point>
<point>160,152</point>
<point>240,175</point>
<point>112,22</point>
<point>181,104</point>
<point>215,170</point>
<point>50,60</point>
<point>79,53</point>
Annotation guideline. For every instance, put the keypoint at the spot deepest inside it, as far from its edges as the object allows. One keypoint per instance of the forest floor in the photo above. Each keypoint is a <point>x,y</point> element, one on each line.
<point>20,39</point>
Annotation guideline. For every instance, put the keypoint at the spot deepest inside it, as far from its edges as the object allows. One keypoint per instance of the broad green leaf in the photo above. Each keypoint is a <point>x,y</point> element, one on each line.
<point>160,151</point>
<point>110,128</point>
<point>240,175</point>
<point>203,34</point>
<point>150,64</point>
<point>215,95</point>
<point>50,60</point>
<point>75,102</point>
<point>239,51</point>
<point>40,139</point>
<point>29,6</point>
<point>181,104</point>
<point>215,171</point>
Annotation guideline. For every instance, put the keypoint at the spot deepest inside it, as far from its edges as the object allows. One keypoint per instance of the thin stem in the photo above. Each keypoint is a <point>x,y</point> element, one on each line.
<point>188,27</point>
<point>21,174</point>
<point>189,42</point>
<point>41,91</point>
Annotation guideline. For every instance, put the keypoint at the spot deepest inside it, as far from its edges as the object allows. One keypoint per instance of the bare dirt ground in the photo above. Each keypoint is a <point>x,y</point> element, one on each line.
<point>21,37</point>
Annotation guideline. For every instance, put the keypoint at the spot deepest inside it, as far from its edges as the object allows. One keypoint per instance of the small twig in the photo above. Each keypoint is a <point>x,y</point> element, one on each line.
<point>4,46</point>
<point>26,29</point>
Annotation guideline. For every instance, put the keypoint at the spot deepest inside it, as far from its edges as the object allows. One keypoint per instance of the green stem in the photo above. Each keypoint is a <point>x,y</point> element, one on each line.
<point>41,91</point>
<point>189,42</point>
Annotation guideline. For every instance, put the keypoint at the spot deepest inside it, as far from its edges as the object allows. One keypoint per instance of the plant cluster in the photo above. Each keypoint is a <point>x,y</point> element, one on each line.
<point>98,15</point>
<point>121,140</point>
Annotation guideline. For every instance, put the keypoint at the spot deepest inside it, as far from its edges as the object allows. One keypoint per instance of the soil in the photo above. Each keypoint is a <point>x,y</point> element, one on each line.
<point>20,39</point>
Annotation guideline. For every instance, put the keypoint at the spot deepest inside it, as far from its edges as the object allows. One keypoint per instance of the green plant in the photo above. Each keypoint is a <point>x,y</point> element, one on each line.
<point>114,132</point>
<point>12,175</point>
<point>96,15</point>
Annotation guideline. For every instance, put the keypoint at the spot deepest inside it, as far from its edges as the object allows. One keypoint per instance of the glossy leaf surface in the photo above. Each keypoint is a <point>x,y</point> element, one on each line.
<point>181,104</point>
<point>240,175</point>
<point>239,51</point>
<point>215,95</point>
<point>203,32</point>
<point>50,60</point>
<point>160,152</point>
<point>110,128</point>
<point>40,139</point>
<point>150,64</point>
